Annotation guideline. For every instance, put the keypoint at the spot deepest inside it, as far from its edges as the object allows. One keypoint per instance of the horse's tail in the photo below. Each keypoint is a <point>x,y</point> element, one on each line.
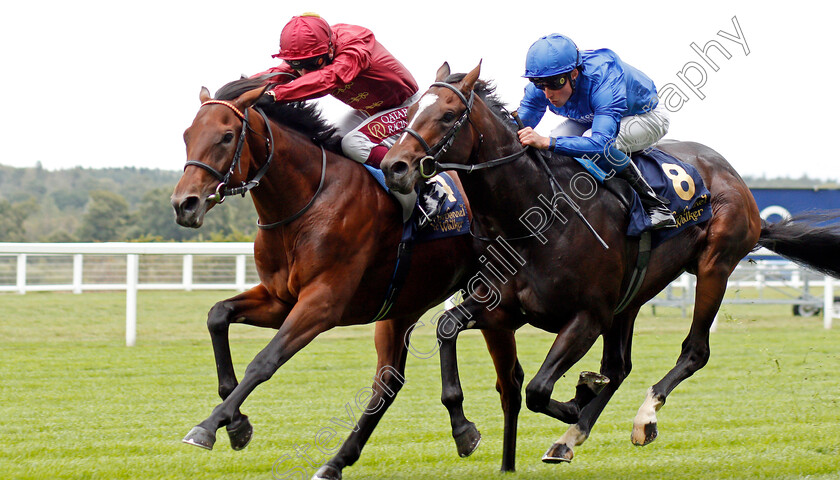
<point>810,239</point>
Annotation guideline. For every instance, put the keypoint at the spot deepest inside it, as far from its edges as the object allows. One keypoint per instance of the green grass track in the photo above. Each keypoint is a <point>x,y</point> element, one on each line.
<point>76,403</point>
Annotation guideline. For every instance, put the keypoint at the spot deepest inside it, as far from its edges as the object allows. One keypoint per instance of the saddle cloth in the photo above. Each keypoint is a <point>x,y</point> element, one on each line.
<point>673,179</point>
<point>677,181</point>
<point>452,219</point>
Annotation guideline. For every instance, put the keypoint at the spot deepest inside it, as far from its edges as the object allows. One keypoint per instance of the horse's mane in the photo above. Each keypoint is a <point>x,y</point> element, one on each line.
<point>487,92</point>
<point>303,117</point>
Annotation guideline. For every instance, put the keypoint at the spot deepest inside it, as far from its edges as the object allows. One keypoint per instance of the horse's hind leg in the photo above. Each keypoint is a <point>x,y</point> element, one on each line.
<point>253,307</point>
<point>615,365</point>
<point>730,241</point>
<point>711,286</point>
<point>510,376</point>
<point>391,354</point>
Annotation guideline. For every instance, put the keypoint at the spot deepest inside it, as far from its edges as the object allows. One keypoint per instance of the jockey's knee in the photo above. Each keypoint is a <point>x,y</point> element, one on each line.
<point>643,131</point>
<point>356,146</point>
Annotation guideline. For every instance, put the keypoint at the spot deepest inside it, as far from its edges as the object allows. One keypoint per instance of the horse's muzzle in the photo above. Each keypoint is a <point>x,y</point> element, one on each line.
<point>189,211</point>
<point>398,176</point>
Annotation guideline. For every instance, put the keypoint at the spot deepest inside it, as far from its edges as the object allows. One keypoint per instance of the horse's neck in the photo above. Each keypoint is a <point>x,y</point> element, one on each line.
<point>292,179</point>
<point>501,195</point>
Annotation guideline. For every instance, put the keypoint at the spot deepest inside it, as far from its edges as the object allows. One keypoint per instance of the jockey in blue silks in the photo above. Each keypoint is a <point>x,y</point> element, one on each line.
<point>611,110</point>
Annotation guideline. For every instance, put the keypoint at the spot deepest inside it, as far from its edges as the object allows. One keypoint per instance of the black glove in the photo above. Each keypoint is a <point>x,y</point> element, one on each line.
<point>266,100</point>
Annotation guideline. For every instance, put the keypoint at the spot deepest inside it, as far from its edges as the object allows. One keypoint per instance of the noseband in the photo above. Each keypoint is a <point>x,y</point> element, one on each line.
<point>440,148</point>
<point>223,190</point>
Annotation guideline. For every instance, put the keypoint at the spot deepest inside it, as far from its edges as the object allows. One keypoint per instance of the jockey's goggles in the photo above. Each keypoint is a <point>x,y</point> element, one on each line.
<point>554,83</point>
<point>311,63</point>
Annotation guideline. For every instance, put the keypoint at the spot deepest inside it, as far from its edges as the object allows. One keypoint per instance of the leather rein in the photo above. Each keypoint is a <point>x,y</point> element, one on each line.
<point>440,148</point>
<point>223,189</point>
<point>433,153</point>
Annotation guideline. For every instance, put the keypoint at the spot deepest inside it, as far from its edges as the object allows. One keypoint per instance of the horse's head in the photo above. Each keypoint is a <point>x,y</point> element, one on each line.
<point>216,150</point>
<point>434,123</point>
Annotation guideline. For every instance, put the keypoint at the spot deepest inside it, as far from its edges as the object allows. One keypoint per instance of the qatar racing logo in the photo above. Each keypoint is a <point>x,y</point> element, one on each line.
<point>386,124</point>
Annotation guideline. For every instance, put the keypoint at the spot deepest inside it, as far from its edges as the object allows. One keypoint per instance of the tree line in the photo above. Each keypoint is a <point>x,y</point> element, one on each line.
<point>132,204</point>
<point>108,205</point>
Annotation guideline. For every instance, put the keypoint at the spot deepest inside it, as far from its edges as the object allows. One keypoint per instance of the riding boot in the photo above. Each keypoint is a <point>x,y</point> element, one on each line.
<point>432,200</point>
<point>655,206</point>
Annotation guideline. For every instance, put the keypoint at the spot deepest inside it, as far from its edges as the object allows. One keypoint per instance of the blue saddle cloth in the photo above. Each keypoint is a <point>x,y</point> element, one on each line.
<point>673,179</point>
<point>677,181</point>
<point>452,219</point>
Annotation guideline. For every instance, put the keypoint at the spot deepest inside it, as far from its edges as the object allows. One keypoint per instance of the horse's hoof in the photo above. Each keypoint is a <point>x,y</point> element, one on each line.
<point>467,441</point>
<point>644,434</point>
<point>200,437</point>
<point>595,381</point>
<point>327,472</point>
<point>240,434</point>
<point>558,453</point>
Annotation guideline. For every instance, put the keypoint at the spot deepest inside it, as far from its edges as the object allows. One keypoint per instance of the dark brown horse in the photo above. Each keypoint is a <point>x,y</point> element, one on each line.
<point>565,282</point>
<point>325,254</point>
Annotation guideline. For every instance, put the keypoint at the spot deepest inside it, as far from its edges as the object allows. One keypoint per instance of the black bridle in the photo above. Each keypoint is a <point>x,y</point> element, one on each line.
<point>440,148</point>
<point>433,153</point>
<point>223,189</point>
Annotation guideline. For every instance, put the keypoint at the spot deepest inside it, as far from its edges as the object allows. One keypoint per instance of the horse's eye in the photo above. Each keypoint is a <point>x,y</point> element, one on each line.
<point>228,137</point>
<point>448,117</point>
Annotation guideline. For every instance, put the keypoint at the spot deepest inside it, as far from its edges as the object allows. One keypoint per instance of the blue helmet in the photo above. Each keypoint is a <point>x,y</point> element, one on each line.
<point>551,55</point>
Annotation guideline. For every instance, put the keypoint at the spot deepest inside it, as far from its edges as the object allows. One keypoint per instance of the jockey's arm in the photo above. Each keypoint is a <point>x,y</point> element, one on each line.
<point>282,73</point>
<point>604,131</point>
<point>532,107</point>
<point>347,65</point>
<point>609,101</point>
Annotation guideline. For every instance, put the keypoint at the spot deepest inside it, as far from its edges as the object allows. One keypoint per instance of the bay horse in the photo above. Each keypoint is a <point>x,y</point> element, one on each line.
<point>325,253</point>
<point>566,282</point>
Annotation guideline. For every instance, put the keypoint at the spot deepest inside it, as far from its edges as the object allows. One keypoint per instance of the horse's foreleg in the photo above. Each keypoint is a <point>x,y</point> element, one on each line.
<point>464,432</point>
<point>306,320</point>
<point>391,354</point>
<point>254,307</point>
<point>510,377</point>
<point>572,342</point>
<point>615,365</point>
<point>711,286</point>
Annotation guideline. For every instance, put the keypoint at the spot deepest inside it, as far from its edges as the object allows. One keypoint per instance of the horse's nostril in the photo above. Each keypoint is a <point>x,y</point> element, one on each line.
<point>188,204</point>
<point>399,168</point>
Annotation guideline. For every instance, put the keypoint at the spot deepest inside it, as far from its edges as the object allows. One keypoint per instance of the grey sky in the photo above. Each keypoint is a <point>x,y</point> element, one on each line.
<point>99,84</point>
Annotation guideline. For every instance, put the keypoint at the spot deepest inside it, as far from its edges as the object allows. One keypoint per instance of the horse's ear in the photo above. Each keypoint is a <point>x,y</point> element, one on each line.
<point>250,97</point>
<point>442,72</point>
<point>204,95</point>
<point>469,80</point>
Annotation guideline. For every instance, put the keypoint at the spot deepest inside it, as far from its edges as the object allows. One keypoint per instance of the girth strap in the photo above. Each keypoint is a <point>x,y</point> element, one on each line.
<point>404,251</point>
<point>639,272</point>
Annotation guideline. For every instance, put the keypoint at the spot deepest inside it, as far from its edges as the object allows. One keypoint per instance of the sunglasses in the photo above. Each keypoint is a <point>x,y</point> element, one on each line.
<point>312,63</point>
<point>554,83</point>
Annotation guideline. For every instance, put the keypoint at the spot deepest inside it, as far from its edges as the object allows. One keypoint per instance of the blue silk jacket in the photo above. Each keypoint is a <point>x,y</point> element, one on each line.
<point>607,90</point>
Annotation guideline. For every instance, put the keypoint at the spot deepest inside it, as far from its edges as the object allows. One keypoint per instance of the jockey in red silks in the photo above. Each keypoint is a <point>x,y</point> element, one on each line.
<point>347,62</point>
